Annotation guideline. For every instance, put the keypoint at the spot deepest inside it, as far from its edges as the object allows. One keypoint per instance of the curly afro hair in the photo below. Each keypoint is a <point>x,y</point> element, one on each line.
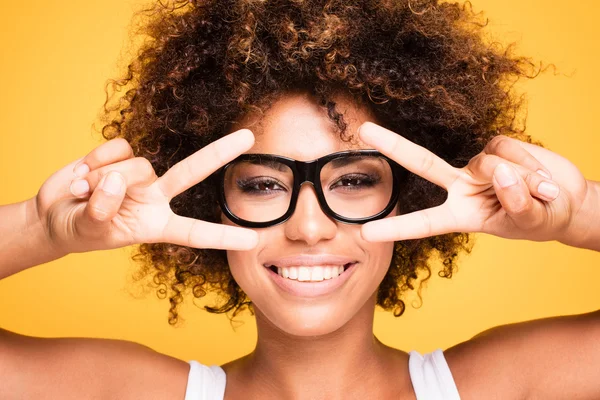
<point>422,66</point>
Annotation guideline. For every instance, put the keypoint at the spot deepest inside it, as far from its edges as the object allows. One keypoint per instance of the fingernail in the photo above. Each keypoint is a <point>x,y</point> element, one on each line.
<point>112,183</point>
<point>505,176</point>
<point>367,232</point>
<point>79,187</point>
<point>371,137</point>
<point>81,169</point>
<point>371,232</point>
<point>548,190</point>
<point>544,174</point>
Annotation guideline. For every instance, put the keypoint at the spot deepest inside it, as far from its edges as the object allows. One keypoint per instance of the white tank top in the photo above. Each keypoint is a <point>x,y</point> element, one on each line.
<point>430,376</point>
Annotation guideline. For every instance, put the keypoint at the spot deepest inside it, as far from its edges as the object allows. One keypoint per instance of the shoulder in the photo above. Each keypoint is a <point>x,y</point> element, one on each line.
<point>482,367</point>
<point>529,359</point>
<point>145,373</point>
<point>74,368</point>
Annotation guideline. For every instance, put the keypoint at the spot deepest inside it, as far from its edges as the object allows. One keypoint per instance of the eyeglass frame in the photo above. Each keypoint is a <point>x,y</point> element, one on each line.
<point>310,171</point>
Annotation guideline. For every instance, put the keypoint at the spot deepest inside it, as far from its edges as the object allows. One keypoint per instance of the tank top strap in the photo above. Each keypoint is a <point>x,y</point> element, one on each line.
<point>431,376</point>
<point>205,382</point>
<point>429,373</point>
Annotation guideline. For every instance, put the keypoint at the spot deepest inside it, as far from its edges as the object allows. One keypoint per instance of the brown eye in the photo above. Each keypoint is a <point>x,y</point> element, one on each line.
<point>260,186</point>
<point>356,181</point>
<point>351,182</point>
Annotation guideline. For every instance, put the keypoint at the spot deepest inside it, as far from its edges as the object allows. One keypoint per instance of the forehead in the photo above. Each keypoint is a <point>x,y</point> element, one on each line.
<point>296,126</point>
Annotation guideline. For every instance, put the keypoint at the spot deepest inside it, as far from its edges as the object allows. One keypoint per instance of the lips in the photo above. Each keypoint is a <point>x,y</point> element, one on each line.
<point>309,260</point>
<point>310,267</point>
<point>309,288</point>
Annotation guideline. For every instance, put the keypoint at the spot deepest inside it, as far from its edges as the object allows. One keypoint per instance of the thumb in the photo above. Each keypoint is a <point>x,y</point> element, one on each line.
<point>94,219</point>
<point>515,198</point>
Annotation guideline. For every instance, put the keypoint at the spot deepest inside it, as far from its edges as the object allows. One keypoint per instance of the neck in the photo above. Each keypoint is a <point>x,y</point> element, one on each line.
<point>325,366</point>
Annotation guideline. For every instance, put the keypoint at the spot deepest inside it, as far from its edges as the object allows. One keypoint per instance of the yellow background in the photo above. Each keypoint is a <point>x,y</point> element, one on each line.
<point>56,57</point>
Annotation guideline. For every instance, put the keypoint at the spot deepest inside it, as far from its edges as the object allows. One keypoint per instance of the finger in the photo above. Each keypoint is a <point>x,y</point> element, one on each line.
<point>103,205</point>
<point>512,150</point>
<point>416,225</point>
<point>200,234</point>
<point>410,155</point>
<point>483,167</point>
<point>136,172</point>
<point>107,153</point>
<point>204,162</point>
<point>516,200</point>
<point>61,179</point>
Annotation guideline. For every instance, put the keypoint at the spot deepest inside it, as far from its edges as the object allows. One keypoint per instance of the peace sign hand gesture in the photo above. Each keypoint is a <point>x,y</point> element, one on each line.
<point>135,207</point>
<point>481,198</point>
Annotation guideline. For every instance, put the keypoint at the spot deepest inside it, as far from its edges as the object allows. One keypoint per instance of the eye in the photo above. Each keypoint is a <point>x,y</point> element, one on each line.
<point>355,182</point>
<point>260,185</point>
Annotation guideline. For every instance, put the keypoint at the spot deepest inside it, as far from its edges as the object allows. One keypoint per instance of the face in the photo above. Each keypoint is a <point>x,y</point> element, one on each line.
<point>296,127</point>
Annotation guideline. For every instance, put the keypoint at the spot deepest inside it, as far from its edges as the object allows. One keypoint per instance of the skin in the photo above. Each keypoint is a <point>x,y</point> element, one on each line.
<point>315,333</point>
<point>307,349</point>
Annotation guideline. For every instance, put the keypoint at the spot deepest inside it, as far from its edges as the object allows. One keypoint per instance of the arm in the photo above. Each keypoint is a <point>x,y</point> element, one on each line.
<point>550,358</point>
<point>24,242</point>
<point>56,222</point>
<point>81,368</point>
<point>584,231</point>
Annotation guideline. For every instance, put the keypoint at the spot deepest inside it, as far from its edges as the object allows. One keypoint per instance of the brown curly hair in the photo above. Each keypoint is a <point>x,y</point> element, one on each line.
<point>422,66</point>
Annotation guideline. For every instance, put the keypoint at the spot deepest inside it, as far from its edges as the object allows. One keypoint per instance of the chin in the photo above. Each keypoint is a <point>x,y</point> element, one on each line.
<point>305,320</point>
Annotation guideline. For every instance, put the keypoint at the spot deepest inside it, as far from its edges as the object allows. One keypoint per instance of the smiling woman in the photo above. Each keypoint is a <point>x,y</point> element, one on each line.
<point>309,161</point>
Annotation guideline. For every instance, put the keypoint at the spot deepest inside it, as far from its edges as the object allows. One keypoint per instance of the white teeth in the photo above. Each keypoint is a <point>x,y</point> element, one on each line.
<point>303,274</point>
<point>335,271</point>
<point>314,274</point>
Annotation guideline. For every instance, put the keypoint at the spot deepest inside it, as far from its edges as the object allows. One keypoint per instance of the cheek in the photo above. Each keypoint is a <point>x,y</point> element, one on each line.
<point>244,265</point>
<point>243,270</point>
<point>380,255</point>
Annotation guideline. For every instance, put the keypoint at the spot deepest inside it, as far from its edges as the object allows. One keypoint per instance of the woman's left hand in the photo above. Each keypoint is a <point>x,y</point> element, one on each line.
<point>480,197</point>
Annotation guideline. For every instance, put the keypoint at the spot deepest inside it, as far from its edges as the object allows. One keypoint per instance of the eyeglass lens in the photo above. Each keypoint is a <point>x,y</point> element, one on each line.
<point>260,190</point>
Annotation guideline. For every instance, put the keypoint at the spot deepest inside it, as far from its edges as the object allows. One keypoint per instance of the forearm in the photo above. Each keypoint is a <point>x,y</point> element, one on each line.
<point>585,227</point>
<point>23,240</point>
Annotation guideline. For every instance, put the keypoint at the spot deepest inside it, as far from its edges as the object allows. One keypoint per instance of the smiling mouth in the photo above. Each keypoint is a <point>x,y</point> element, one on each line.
<point>311,273</point>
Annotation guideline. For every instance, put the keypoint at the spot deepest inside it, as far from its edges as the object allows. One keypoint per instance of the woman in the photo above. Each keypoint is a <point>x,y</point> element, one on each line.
<point>298,82</point>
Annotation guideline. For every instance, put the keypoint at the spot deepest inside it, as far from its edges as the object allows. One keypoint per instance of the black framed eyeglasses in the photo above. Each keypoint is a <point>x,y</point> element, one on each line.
<point>354,186</point>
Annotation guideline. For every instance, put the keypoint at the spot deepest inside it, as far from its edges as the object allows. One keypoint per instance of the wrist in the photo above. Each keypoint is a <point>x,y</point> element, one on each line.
<point>36,227</point>
<point>584,229</point>
<point>24,240</point>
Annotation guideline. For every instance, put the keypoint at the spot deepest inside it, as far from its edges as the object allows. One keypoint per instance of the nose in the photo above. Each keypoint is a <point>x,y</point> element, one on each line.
<point>309,223</point>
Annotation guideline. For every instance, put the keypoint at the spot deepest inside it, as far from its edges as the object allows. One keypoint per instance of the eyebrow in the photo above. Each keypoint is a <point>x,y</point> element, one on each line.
<point>335,163</point>
<point>276,165</point>
<point>341,162</point>
<point>344,161</point>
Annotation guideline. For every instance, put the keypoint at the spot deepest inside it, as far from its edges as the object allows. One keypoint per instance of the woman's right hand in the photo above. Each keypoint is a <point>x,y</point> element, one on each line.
<point>128,204</point>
